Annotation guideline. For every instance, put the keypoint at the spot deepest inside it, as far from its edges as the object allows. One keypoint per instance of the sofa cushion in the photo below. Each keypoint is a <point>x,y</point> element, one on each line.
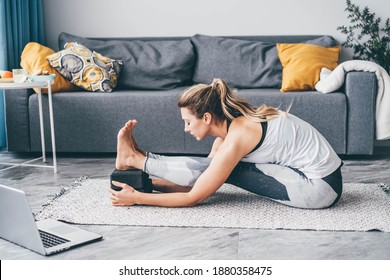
<point>95,119</point>
<point>151,65</point>
<point>85,68</point>
<point>302,64</point>
<point>33,59</point>
<point>242,63</point>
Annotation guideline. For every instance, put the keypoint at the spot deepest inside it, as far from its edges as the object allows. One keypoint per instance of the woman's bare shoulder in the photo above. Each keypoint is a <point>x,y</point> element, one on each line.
<point>244,124</point>
<point>244,133</point>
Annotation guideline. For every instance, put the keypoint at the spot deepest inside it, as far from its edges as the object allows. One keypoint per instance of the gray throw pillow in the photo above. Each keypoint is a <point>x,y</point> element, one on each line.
<point>242,63</point>
<point>151,65</point>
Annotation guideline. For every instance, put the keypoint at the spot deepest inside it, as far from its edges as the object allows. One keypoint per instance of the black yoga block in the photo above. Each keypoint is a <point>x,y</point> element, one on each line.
<point>135,178</point>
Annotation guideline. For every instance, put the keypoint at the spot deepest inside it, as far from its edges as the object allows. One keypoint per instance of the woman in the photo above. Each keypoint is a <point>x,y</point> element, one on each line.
<point>263,150</point>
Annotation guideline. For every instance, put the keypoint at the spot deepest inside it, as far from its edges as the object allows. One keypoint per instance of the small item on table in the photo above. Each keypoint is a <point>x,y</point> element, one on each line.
<point>6,76</point>
<point>19,75</point>
<point>40,75</point>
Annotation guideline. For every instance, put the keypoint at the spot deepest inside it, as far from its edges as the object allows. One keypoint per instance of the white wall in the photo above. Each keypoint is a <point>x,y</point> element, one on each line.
<point>121,18</point>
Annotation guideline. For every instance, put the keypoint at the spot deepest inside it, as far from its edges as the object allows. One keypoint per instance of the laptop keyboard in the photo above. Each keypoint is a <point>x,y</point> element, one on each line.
<point>51,240</point>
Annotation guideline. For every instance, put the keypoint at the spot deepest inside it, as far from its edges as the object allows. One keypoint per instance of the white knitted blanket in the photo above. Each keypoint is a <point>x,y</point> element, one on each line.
<point>362,207</point>
<point>332,80</point>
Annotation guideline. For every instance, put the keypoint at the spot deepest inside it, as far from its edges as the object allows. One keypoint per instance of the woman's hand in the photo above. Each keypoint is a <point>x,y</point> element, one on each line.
<point>129,196</point>
<point>124,197</point>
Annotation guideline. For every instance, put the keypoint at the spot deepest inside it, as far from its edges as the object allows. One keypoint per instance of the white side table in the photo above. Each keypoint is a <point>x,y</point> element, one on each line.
<point>39,86</point>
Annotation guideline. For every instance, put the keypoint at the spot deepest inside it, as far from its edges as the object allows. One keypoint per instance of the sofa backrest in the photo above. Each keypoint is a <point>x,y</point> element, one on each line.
<point>160,63</point>
<point>288,39</point>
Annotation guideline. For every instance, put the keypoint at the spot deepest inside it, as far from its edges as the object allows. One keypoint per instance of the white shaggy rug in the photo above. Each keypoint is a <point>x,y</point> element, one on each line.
<point>363,207</point>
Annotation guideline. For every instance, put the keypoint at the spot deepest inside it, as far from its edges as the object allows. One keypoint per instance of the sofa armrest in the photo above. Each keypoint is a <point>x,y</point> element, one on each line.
<point>17,119</point>
<point>361,90</point>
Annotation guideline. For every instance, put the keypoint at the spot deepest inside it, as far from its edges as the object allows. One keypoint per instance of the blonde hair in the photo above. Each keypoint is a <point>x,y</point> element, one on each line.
<point>220,100</point>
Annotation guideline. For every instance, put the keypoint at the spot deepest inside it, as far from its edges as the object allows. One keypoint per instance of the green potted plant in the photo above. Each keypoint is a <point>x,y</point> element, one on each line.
<point>366,36</point>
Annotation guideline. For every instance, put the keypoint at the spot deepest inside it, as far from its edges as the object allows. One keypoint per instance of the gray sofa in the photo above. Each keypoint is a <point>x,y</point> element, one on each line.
<point>89,122</point>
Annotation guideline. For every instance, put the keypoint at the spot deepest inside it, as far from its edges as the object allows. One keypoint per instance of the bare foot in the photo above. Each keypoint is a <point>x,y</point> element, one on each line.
<point>129,155</point>
<point>131,124</point>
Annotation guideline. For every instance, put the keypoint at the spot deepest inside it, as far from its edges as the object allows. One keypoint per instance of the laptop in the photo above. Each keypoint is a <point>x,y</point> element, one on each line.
<point>46,237</point>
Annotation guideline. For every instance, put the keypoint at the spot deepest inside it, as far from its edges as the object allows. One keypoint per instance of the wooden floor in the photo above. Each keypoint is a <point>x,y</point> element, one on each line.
<point>147,243</point>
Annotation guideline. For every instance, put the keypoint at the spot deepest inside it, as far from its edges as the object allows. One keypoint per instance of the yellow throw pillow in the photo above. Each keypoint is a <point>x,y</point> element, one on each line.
<point>302,64</point>
<point>33,59</point>
<point>85,68</point>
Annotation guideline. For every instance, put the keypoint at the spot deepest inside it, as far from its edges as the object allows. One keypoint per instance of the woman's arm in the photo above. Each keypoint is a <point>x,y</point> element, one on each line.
<point>229,153</point>
<point>166,186</point>
<point>212,178</point>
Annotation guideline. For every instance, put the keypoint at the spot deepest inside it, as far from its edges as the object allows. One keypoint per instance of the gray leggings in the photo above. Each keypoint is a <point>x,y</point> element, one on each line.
<point>280,183</point>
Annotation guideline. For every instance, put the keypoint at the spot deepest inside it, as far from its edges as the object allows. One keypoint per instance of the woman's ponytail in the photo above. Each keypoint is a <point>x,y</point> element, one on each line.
<point>220,87</point>
<point>218,99</point>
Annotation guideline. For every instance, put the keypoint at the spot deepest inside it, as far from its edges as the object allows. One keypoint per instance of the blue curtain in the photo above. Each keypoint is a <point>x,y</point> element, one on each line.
<point>21,21</point>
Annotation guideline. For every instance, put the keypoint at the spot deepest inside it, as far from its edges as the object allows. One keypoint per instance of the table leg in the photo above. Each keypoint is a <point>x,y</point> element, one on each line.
<point>41,125</point>
<point>53,139</point>
<point>5,121</point>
